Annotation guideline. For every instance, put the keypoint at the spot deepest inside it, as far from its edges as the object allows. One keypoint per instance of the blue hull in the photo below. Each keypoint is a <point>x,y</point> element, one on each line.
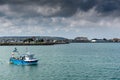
<point>22,62</point>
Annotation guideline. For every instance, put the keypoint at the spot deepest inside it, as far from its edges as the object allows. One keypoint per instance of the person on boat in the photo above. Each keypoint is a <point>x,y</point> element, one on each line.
<point>12,54</point>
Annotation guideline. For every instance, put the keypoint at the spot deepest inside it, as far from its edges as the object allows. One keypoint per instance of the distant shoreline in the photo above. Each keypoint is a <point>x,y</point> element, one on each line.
<point>12,44</point>
<point>47,40</point>
<point>27,44</point>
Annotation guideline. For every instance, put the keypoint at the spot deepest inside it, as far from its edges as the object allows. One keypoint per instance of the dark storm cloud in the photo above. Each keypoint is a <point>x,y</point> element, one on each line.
<point>108,7</point>
<point>67,7</point>
<point>29,17</point>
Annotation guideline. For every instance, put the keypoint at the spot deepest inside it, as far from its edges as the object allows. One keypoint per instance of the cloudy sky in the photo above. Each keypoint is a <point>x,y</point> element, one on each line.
<point>64,18</point>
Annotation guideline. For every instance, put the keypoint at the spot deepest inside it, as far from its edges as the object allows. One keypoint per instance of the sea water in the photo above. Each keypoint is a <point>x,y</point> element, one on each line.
<point>76,61</point>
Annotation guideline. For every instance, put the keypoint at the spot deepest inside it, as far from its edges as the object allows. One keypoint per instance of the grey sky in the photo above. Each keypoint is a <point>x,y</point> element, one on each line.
<point>66,18</point>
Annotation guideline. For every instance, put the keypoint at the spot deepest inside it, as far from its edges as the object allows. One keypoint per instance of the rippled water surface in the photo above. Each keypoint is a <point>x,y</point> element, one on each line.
<point>84,61</point>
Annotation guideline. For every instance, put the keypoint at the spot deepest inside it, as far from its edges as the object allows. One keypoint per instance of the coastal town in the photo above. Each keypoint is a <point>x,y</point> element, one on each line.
<point>47,40</point>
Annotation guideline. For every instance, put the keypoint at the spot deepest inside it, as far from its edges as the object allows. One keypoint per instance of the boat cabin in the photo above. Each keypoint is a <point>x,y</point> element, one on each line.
<point>27,56</point>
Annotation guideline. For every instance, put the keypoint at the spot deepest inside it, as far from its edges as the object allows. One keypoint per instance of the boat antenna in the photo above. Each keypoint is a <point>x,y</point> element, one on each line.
<point>15,50</point>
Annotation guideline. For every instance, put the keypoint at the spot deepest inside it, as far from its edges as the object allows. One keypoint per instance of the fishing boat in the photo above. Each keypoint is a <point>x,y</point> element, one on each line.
<point>22,59</point>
